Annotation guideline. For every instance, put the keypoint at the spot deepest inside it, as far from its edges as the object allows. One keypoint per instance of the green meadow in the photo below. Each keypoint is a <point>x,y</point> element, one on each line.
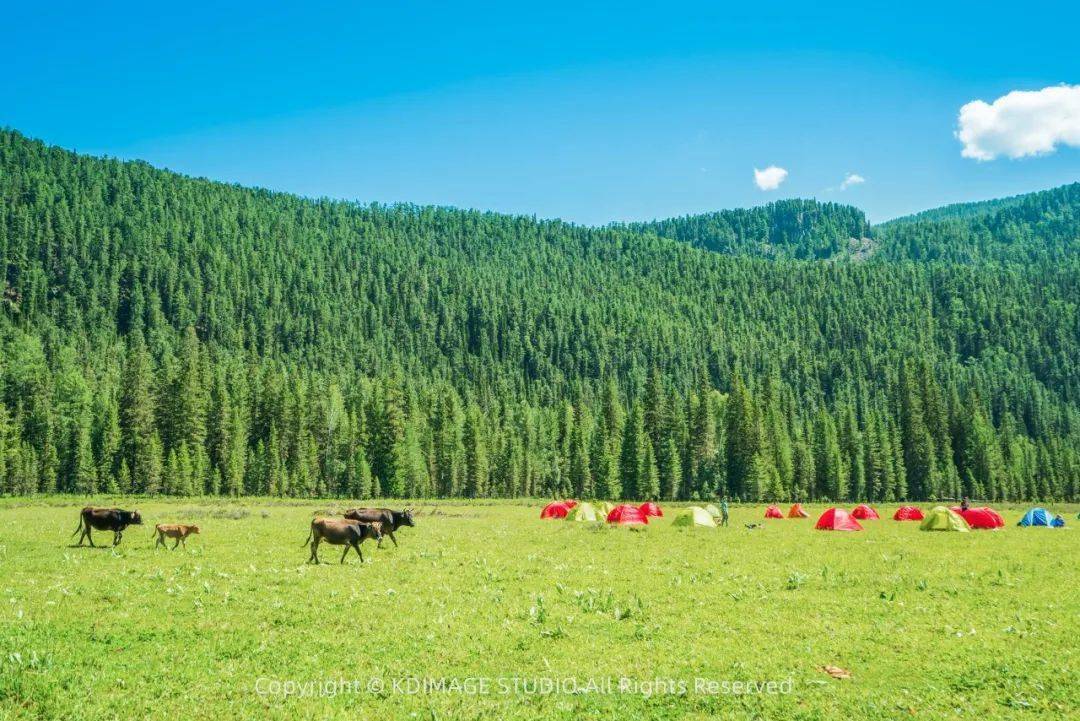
<point>486,611</point>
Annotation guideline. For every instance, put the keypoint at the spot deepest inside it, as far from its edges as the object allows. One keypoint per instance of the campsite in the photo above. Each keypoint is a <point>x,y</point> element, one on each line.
<point>928,625</point>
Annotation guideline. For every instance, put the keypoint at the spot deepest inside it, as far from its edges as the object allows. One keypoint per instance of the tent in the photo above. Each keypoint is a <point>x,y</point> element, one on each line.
<point>694,516</point>
<point>569,503</point>
<point>651,509</point>
<point>626,515</point>
<point>1036,517</point>
<point>864,513</point>
<point>773,512</point>
<point>556,509</point>
<point>908,513</point>
<point>943,519</point>
<point>837,519</point>
<point>715,512</point>
<point>603,508</point>
<point>1058,522</point>
<point>583,512</point>
<point>983,518</point>
<point>797,511</point>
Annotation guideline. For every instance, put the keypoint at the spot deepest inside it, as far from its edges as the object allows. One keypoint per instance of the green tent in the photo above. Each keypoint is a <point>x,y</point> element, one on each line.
<point>942,519</point>
<point>692,517</point>
<point>712,510</point>
<point>584,512</point>
<point>603,508</point>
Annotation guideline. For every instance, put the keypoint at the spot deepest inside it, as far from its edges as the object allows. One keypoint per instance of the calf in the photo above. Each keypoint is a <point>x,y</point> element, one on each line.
<point>341,533</point>
<point>391,520</point>
<point>173,530</point>
<point>106,519</point>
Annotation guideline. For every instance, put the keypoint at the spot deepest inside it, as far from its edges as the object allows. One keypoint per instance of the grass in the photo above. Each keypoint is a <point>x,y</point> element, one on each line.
<point>930,625</point>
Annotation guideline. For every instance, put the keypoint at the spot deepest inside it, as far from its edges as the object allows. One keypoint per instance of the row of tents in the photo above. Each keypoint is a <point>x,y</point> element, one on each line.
<point>940,518</point>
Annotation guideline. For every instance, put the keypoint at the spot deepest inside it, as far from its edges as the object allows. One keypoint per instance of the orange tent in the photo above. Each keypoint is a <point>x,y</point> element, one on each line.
<point>797,512</point>
<point>773,512</point>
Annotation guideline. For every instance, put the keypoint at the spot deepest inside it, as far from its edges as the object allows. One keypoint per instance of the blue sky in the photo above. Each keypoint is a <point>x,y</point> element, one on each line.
<point>589,112</point>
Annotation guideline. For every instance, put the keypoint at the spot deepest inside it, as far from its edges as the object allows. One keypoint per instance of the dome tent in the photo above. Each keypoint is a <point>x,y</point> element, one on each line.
<point>797,511</point>
<point>713,510</point>
<point>650,508</point>
<point>583,512</point>
<point>1058,522</point>
<point>569,503</point>
<point>1036,517</point>
<point>773,512</point>
<point>603,508</point>
<point>837,519</point>
<point>693,516</point>
<point>864,513</point>
<point>556,509</point>
<point>627,515</point>
<point>908,513</point>
<point>943,519</point>
<point>982,517</point>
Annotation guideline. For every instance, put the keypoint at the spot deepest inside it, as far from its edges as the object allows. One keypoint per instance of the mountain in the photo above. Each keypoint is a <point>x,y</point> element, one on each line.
<point>165,334</point>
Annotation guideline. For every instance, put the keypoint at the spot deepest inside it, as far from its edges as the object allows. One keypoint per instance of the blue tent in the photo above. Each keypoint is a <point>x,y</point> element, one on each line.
<point>1058,522</point>
<point>1036,517</point>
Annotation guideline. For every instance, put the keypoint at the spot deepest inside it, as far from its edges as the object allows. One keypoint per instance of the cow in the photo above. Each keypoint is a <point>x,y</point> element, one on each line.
<point>391,520</point>
<point>339,532</point>
<point>173,530</point>
<point>106,519</point>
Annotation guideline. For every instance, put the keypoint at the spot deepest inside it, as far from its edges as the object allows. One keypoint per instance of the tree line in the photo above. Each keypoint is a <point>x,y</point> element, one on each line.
<point>163,334</point>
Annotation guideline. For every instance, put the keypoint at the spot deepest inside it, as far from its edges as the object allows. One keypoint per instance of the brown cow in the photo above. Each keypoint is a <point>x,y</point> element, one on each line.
<point>173,530</point>
<point>391,520</point>
<point>106,519</point>
<point>338,532</point>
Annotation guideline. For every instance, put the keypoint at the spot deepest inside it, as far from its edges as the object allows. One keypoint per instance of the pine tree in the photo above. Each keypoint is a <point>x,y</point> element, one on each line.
<point>632,454</point>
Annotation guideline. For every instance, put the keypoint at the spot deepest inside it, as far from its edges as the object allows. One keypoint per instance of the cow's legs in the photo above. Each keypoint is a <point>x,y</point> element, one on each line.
<point>358,553</point>
<point>314,551</point>
<point>160,540</point>
<point>176,544</point>
<point>183,542</point>
<point>89,538</point>
<point>346,551</point>
<point>117,537</point>
<point>393,539</point>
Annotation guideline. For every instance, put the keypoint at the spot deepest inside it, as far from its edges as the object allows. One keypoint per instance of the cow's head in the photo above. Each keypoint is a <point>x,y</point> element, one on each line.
<point>136,518</point>
<point>406,517</point>
<point>194,529</point>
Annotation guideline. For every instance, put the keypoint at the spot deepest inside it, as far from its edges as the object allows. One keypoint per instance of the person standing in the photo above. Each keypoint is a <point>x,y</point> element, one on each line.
<point>723,511</point>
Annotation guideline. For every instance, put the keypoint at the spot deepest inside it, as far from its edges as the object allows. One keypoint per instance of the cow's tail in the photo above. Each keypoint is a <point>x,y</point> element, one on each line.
<point>311,533</point>
<point>80,527</point>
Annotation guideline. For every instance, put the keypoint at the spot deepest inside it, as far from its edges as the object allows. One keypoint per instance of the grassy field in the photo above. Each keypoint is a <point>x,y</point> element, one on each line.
<point>513,613</point>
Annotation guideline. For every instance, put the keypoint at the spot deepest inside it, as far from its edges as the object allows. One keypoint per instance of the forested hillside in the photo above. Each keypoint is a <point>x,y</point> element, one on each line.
<point>162,334</point>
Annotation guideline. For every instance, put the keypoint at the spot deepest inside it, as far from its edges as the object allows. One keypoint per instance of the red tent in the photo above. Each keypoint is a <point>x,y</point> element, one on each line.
<point>557,509</point>
<point>907,513</point>
<point>773,512</point>
<point>864,513</point>
<point>837,519</point>
<point>982,517</point>
<point>797,512</point>
<point>570,503</point>
<point>650,509</point>
<point>626,515</point>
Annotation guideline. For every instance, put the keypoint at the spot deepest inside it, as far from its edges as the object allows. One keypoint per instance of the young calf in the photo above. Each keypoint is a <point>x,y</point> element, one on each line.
<point>341,533</point>
<point>173,530</point>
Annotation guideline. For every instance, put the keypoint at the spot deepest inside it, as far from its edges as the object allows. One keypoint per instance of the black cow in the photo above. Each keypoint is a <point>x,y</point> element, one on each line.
<point>106,519</point>
<point>391,520</point>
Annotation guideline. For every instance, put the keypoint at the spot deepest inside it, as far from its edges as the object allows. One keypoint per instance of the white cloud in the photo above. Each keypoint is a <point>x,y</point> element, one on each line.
<point>1021,123</point>
<point>852,179</point>
<point>770,178</point>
